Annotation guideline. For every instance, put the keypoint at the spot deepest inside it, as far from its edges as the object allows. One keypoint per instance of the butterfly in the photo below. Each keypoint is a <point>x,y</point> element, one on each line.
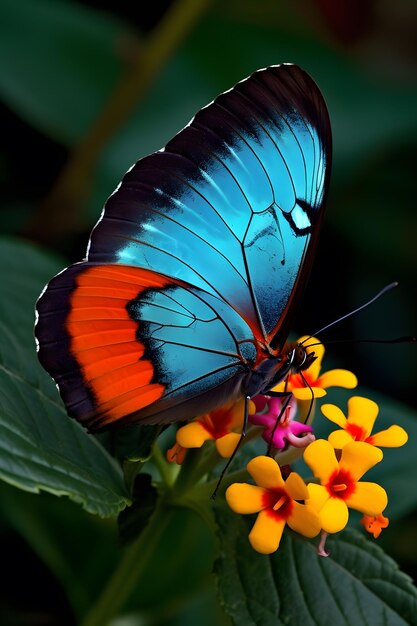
<point>193,272</point>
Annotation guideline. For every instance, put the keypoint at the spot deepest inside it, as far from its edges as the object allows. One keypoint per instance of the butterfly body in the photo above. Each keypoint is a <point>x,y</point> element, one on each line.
<point>193,273</point>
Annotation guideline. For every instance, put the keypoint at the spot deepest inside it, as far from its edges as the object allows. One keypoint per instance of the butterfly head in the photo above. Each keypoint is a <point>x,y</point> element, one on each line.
<point>299,359</point>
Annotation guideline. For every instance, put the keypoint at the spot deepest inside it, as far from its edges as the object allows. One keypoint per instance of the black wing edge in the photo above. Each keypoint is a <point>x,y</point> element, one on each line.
<point>53,343</point>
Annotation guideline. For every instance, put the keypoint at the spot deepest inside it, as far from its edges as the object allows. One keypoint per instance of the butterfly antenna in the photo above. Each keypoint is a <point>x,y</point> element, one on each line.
<point>405,339</point>
<point>359,308</point>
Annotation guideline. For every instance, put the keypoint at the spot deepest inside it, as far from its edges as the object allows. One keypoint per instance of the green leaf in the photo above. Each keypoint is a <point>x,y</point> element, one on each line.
<point>357,584</point>
<point>40,447</point>
<point>58,63</point>
<point>130,442</point>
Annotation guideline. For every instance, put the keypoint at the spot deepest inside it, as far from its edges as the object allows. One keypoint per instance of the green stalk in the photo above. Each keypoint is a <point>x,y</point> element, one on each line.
<point>168,471</point>
<point>131,566</point>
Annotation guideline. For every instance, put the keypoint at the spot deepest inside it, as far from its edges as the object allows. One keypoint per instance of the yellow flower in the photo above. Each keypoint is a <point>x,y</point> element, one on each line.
<point>222,425</point>
<point>319,384</point>
<point>340,488</point>
<point>358,425</point>
<point>275,502</point>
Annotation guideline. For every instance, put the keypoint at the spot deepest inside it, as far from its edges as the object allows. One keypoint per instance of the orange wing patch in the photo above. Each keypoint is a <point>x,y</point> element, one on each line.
<point>103,340</point>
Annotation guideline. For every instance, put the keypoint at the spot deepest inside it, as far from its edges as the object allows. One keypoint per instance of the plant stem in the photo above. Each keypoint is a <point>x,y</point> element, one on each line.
<point>60,211</point>
<point>168,471</point>
<point>128,572</point>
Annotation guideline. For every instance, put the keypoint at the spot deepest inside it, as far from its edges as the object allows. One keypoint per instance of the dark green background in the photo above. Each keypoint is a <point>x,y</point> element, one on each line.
<point>60,62</point>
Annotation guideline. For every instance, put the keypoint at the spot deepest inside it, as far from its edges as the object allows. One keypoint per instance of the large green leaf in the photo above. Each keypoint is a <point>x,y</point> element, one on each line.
<point>40,447</point>
<point>58,62</point>
<point>358,583</point>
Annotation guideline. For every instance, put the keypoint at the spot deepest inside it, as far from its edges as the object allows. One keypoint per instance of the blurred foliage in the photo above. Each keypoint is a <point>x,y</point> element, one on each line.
<point>62,63</point>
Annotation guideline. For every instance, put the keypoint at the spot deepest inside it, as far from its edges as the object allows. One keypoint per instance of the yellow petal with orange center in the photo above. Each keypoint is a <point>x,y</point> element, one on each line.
<point>392,437</point>
<point>317,496</point>
<point>358,457</point>
<point>192,435</point>
<point>338,378</point>
<point>321,459</point>
<point>304,520</point>
<point>334,414</point>
<point>339,438</point>
<point>265,472</point>
<point>266,533</point>
<point>305,393</point>
<point>243,498</point>
<point>296,487</point>
<point>368,498</point>
<point>362,412</point>
<point>236,413</point>
<point>334,515</point>
<point>314,369</point>
<point>227,445</point>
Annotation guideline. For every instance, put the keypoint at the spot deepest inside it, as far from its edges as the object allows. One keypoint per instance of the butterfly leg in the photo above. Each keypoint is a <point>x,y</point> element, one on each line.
<point>310,408</point>
<point>242,436</point>
<point>278,394</point>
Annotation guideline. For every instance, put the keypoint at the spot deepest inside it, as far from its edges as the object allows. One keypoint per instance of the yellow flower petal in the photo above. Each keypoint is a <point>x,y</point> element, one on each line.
<point>192,435</point>
<point>321,459</point>
<point>358,457</point>
<point>334,414</point>
<point>368,498</point>
<point>314,369</point>
<point>266,533</point>
<point>362,412</point>
<point>392,437</point>
<point>243,498</point>
<point>317,496</point>
<point>339,438</point>
<point>334,515</point>
<point>304,520</point>
<point>236,413</point>
<point>227,445</point>
<point>265,472</point>
<point>304,393</point>
<point>338,378</point>
<point>296,487</point>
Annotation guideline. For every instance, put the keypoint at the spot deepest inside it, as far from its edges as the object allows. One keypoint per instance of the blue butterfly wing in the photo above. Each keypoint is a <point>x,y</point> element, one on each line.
<point>234,202</point>
<point>195,267</point>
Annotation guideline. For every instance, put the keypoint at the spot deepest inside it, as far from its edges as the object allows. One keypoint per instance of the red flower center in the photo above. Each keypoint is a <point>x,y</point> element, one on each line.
<point>356,432</point>
<point>277,503</point>
<point>298,382</point>
<point>341,484</point>
<point>217,423</point>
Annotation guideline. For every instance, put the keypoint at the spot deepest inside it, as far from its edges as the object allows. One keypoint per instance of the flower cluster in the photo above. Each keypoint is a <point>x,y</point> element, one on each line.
<point>338,464</point>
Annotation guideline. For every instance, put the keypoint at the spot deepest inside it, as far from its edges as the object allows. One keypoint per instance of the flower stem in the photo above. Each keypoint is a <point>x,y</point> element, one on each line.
<point>128,572</point>
<point>168,471</point>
